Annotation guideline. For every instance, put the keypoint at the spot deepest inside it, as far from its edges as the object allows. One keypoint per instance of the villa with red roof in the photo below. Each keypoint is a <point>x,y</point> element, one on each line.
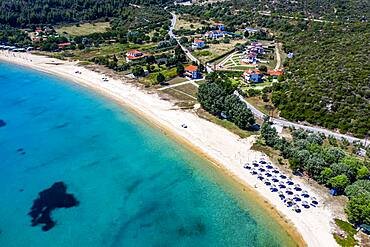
<point>253,75</point>
<point>192,72</point>
<point>275,73</point>
<point>64,45</point>
<point>134,55</point>
<point>198,43</point>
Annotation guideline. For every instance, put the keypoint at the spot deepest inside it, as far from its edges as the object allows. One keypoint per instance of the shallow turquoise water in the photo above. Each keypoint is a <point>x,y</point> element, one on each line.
<point>136,187</point>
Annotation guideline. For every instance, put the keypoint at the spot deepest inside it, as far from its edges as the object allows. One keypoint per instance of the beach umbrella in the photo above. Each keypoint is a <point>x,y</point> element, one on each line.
<point>305,204</point>
<point>289,192</point>
<point>275,171</point>
<point>262,162</point>
<point>247,166</point>
<point>260,177</point>
<point>289,202</point>
<point>269,167</point>
<point>275,180</point>
<point>314,200</point>
<point>283,176</point>
<point>297,209</point>
<point>290,182</point>
<point>297,188</point>
<point>281,195</point>
<point>305,194</point>
<point>267,182</point>
<point>255,164</point>
<point>274,189</point>
<point>253,172</point>
<point>268,175</point>
<point>297,198</point>
<point>261,169</point>
<point>282,185</point>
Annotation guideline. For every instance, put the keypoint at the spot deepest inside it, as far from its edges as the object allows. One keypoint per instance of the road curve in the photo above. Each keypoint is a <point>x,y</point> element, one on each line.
<point>186,51</point>
<point>284,123</point>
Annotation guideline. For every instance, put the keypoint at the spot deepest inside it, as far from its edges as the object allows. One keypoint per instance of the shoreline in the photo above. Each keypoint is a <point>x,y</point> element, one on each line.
<point>223,149</point>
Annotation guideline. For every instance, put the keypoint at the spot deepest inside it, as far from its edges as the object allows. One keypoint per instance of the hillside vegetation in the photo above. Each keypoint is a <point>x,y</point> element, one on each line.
<point>328,83</point>
<point>18,13</point>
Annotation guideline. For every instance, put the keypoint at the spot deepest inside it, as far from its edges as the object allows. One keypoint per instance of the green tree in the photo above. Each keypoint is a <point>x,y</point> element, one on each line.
<point>238,112</point>
<point>339,182</point>
<point>263,68</point>
<point>211,97</point>
<point>360,187</point>
<point>269,134</point>
<point>138,71</point>
<point>180,70</point>
<point>358,210</point>
<point>160,78</point>
<point>362,173</point>
<point>325,175</point>
<point>333,154</point>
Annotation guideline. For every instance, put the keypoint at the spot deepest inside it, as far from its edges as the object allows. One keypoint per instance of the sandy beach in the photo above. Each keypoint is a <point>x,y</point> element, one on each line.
<point>312,227</point>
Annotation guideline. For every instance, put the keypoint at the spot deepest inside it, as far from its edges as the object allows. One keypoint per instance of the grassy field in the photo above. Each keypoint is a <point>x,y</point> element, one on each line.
<point>176,80</point>
<point>349,240</point>
<point>187,22</point>
<point>106,50</point>
<point>215,50</point>
<point>180,95</point>
<point>188,89</point>
<point>83,29</point>
<point>151,79</point>
<point>226,124</point>
<point>261,105</point>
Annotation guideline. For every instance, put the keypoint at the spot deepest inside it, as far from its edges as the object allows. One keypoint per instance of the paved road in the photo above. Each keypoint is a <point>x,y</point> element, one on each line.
<point>186,51</point>
<point>291,17</point>
<point>284,123</point>
<point>193,82</point>
<point>278,57</point>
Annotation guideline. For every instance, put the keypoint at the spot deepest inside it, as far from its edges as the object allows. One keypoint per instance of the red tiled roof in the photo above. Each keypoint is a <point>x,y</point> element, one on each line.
<point>134,52</point>
<point>275,72</point>
<point>61,45</point>
<point>198,41</point>
<point>191,68</point>
<point>252,71</point>
<point>133,57</point>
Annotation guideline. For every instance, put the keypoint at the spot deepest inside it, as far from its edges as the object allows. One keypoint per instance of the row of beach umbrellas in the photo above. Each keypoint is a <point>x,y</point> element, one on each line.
<point>289,192</point>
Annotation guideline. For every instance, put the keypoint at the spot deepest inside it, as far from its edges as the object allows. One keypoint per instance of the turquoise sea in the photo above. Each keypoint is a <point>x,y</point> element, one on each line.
<point>135,186</point>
